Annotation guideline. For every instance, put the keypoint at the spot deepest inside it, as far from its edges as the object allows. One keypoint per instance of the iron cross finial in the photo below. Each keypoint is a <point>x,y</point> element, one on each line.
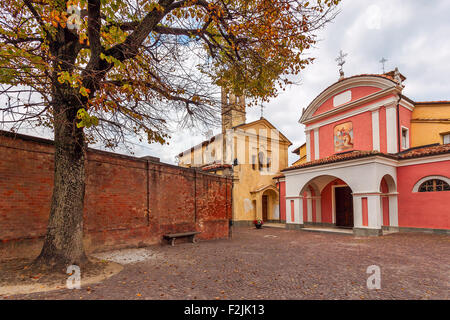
<point>262,110</point>
<point>340,60</point>
<point>383,61</point>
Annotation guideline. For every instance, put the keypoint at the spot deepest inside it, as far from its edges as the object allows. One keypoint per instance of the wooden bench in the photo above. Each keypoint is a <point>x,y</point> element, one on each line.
<point>173,236</point>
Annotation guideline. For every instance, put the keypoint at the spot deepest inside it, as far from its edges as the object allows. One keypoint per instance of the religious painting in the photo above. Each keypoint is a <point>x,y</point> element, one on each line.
<point>343,137</point>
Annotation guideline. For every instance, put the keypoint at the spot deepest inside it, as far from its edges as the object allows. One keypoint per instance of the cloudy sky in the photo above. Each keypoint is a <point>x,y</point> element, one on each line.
<point>412,34</point>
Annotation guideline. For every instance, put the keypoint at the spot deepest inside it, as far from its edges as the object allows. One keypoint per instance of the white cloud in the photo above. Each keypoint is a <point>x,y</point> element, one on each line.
<point>412,35</point>
<point>373,17</point>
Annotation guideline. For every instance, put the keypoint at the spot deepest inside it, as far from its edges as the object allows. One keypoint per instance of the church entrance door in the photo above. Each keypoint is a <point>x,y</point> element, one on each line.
<point>344,207</point>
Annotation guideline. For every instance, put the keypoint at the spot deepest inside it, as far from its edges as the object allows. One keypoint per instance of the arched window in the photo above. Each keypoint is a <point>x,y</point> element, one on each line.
<point>434,185</point>
<point>260,160</point>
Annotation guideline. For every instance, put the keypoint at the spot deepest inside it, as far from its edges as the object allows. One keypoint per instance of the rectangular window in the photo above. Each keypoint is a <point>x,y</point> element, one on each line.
<point>446,138</point>
<point>253,162</point>
<point>405,138</point>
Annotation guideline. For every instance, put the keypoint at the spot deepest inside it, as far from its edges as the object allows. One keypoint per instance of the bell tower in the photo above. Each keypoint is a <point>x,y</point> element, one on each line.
<point>233,110</point>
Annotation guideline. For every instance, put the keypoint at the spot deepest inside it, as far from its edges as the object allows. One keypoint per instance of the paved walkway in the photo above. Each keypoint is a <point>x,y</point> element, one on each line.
<point>273,263</point>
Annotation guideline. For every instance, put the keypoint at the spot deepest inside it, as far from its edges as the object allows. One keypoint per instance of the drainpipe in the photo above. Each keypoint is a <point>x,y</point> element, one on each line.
<point>230,222</point>
<point>279,198</point>
<point>398,123</point>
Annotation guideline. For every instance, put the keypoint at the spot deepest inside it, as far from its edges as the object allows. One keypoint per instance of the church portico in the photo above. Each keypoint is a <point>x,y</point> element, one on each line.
<point>372,161</point>
<point>346,194</point>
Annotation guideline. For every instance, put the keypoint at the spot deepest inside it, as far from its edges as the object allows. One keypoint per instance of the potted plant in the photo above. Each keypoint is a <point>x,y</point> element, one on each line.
<point>258,223</point>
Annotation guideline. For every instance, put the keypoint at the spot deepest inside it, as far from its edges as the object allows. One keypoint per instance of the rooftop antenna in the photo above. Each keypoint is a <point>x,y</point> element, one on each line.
<point>383,61</point>
<point>340,60</point>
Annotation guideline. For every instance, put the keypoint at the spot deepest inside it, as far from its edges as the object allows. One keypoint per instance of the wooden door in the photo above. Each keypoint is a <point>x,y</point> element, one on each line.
<point>264,208</point>
<point>344,207</point>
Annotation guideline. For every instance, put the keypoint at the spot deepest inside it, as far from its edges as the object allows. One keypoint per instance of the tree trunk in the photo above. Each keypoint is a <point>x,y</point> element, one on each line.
<point>63,244</point>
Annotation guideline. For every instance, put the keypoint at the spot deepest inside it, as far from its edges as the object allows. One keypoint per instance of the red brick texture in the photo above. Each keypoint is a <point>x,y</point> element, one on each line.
<point>129,201</point>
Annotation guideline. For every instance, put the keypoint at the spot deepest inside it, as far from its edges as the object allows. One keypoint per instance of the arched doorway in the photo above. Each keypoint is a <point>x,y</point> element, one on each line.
<point>388,199</point>
<point>267,203</point>
<point>270,206</point>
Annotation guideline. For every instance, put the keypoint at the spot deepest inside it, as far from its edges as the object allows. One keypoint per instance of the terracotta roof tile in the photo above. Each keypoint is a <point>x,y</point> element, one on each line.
<point>424,151</point>
<point>216,166</point>
<point>417,152</point>
<point>335,158</point>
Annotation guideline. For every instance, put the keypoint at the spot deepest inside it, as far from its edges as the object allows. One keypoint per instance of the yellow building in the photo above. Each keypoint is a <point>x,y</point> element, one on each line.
<point>430,123</point>
<point>252,153</point>
<point>301,152</point>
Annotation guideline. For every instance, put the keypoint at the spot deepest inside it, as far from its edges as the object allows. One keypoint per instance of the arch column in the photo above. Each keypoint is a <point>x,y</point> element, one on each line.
<point>374,211</point>
<point>294,212</point>
<point>393,210</point>
<point>309,207</point>
<point>318,200</point>
<point>367,214</point>
<point>357,212</point>
<point>316,203</point>
<point>259,206</point>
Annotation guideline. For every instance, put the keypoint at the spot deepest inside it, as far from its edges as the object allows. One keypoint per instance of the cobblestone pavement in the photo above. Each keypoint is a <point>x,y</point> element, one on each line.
<point>273,263</point>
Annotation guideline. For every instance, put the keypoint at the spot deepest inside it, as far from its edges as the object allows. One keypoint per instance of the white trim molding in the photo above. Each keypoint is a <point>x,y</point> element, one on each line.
<point>406,104</point>
<point>316,144</point>
<point>376,130</point>
<point>342,98</point>
<point>407,137</point>
<point>339,87</point>
<point>374,193</point>
<point>418,183</point>
<point>294,197</point>
<point>423,160</point>
<point>354,112</point>
<point>391,128</point>
<point>344,164</point>
<point>308,145</point>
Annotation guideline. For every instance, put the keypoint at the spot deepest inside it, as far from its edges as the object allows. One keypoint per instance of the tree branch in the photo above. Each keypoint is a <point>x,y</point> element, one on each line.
<point>36,16</point>
<point>129,48</point>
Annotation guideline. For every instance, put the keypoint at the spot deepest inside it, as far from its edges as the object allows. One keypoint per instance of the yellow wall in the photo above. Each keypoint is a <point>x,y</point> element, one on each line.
<point>429,122</point>
<point>302,155</point>
<point>247,204</point>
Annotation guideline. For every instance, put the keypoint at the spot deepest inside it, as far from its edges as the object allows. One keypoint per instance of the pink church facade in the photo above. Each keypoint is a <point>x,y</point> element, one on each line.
<point>361,172</point>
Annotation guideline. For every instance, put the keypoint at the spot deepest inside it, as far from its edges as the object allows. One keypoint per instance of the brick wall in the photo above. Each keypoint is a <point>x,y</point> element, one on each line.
<point>129,201</point>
